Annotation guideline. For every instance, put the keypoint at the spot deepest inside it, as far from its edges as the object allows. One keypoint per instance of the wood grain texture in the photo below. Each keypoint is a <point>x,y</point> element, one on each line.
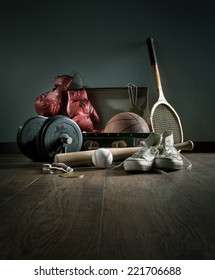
<point>15,177</point>
<point>159,216</point>
<point>108,214</point>
<point>53,218</point>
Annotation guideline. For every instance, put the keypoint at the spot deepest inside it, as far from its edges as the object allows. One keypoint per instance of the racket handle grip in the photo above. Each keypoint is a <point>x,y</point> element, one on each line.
<point>151,49</point>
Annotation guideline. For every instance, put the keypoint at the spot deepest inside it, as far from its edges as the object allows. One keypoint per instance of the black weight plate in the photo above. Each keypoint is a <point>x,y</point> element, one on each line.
<point>49,138</point>
<point>40,137</point>
<point>39,141</point>
<point>26,137</point>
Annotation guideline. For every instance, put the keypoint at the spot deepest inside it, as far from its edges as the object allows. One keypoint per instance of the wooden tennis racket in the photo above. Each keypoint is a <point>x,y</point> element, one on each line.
<point>163,116</point>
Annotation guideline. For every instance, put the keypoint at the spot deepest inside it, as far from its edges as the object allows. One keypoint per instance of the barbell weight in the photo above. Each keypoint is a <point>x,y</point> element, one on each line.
<point>59,134</point>
<point>40,138</point>
<point>26,137</point>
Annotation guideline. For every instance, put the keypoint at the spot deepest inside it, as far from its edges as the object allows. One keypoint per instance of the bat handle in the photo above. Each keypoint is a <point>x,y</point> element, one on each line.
<point>187,145</point>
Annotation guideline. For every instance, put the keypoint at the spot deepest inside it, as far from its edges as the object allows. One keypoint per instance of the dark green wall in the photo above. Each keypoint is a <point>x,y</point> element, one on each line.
<point>105,42</point>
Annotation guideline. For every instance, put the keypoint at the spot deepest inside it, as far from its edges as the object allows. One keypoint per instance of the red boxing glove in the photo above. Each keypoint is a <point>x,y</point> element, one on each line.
<point>81,110</point>
<point>50,103</point>
<point>54,101</point>
<point>77,95</point>
<point>84,122</point>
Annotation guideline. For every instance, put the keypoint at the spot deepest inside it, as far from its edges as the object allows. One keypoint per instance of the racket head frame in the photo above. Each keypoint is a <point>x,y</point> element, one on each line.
<point>176,128</point>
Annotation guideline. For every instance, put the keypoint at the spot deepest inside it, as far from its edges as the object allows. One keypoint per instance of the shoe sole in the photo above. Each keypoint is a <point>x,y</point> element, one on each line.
<point>132,165</point>
<point>168,164</point>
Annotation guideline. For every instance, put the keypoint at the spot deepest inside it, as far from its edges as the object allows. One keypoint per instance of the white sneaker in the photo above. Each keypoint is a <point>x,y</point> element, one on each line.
<point>142,160</point>
<point>168,157</point>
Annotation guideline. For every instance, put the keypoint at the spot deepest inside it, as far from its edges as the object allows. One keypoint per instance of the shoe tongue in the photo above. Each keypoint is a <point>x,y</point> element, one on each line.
<point>153,139</point>
<point>168,139</point>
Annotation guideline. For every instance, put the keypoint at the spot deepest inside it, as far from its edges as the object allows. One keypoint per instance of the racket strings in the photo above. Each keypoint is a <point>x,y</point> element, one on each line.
<point>165,119</point>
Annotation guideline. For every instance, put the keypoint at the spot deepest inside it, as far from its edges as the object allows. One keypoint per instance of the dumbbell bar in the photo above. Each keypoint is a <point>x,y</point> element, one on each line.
<point>40,138</point>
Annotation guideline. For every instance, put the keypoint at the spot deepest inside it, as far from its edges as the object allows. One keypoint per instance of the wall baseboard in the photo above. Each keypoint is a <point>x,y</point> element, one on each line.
<point>199,147</point>
<point>9,148</point>
<point>204,147</point>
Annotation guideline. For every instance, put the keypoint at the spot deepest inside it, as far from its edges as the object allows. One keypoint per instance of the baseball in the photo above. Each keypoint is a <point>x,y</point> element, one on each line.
<point>102,158</point>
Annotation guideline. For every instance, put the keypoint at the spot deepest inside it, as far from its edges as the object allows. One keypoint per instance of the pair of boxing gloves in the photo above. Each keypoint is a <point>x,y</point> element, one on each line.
<point>74,102</point>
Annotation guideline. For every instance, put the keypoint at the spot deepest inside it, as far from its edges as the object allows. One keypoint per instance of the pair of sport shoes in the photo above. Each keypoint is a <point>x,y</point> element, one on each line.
<point>158,152</point>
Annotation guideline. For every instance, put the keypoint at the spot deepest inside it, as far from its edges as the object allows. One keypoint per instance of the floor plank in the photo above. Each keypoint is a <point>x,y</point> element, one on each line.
<point>16,173</point>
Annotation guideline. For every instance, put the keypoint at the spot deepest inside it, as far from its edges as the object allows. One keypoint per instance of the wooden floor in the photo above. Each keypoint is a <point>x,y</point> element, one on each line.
<point>108,214</point>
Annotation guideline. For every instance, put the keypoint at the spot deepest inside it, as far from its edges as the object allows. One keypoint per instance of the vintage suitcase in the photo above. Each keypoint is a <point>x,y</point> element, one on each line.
<point>109,102</point>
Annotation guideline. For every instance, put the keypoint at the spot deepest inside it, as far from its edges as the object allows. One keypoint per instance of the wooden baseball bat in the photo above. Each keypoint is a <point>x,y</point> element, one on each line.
<point>85,157</point>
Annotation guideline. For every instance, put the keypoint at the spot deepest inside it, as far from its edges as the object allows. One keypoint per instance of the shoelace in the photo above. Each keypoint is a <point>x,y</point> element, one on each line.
<point>140,154</point>
<point>189,167</point>
<point>145,152</point>
<point>168,150</point>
